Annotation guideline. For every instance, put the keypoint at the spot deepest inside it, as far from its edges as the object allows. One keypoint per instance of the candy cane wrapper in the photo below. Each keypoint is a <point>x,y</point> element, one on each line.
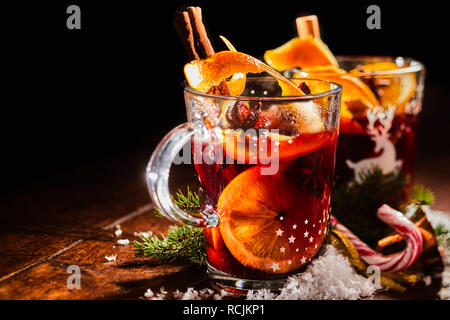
<point>392,263</point>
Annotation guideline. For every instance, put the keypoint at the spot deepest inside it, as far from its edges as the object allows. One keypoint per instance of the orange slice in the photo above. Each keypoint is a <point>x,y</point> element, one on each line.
<point>206,73</point>
<point>300,53</point>
<point>399,88</point>
<point>236,84</point>
<point>356,95</point>
<point>377,66</point>
<point>328,69</point>
<point>273,147</point>
<point>250,208</point>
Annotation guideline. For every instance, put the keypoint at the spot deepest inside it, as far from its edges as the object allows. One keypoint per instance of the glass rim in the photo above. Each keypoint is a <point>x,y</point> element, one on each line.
<point>414,65</point>
<point>307,97</point>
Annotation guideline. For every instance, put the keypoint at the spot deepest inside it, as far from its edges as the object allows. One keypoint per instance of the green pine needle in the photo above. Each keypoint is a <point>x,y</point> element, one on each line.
<point>189,203</point>
<point>422,195</point>
<point>182,243</point>
<point>441,230</point>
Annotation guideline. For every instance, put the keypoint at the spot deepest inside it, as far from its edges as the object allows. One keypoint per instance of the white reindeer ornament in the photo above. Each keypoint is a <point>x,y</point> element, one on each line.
<point>387,160</point>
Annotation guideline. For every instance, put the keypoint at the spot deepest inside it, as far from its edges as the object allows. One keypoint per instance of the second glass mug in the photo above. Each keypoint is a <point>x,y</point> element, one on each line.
<point>391,124</point>
<point>380,133</point>
<point>265,164</point>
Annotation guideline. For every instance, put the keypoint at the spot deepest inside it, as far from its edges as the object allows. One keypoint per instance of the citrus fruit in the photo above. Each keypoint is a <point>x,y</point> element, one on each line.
<point>300,53</point>
<point>262,150</point>
<point>206,73</point>
<point>236,84</point>
<point>377,66</point>
<point>356,95</point>
<point>272,223</point>
<point>328,69</point>
<point>396,89</point>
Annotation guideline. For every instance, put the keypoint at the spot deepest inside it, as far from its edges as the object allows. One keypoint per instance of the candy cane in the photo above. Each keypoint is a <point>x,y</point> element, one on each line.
<point>402,225</point>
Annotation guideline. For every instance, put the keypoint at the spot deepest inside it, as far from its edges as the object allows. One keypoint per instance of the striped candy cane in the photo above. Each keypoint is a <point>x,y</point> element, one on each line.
<point>404,226</point>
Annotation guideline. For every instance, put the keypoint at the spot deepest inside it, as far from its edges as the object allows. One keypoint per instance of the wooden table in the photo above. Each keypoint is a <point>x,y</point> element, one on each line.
<point>70,220</point>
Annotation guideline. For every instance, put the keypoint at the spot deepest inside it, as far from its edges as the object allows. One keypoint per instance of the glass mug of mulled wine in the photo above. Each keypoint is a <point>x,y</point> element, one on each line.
<point>265,164</point>
<point>381,102</point>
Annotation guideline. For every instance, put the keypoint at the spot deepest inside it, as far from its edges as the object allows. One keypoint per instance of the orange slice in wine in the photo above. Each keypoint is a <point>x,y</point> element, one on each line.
<point>206,73</point>
<point>328,69</point>
<point>396,89</point>
<point>300,53</point>
<point>356,95</point>
<point>263,150</point>
<point>377,66</point>
<point>250,208</point>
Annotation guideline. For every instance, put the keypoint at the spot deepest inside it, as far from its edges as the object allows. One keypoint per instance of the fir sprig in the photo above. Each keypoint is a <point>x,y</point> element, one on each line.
<point>422,195</point>
<point>182,242</point>
<point>189,203</point>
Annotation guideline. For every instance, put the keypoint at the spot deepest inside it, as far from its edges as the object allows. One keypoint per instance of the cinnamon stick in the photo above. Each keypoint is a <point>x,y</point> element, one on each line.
<point>192,32</point>
<point>185,32</point>
<point>202,43</point>
<point>308,26</point>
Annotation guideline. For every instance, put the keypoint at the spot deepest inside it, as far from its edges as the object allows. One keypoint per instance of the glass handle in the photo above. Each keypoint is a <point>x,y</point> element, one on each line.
<point>157,177</point>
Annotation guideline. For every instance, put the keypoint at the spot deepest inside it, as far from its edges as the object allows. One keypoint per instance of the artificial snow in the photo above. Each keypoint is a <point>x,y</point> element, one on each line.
<point>159,296</point>
<point>436,218</point>
<point>123,242</point>
<point>444,293</point>
<point>145,234</point>
<point>118,231</point>
<point>111,258</point>
<point>190,294</point>
<point>329,277</point>
<point>149,293</point>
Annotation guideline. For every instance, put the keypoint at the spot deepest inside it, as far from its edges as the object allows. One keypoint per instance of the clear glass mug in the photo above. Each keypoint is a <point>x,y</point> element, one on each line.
<point>391,124</point>
<point>265,164</point>
<point>381,103</point>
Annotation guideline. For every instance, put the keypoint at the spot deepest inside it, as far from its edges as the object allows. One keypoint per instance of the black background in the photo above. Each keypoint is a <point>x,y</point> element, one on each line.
<point>73,98</point>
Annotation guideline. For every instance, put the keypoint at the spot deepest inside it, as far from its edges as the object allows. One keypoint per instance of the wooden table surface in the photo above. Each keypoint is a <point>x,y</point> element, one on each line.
<point>70,220</point>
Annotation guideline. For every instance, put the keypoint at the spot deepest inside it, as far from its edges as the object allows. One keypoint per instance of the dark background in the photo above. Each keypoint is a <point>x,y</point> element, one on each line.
<point>76,98</point>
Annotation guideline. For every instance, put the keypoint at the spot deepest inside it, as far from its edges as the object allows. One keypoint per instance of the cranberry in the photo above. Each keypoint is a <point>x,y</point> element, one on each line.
<point>238,113</point>
<point>241,115</point>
